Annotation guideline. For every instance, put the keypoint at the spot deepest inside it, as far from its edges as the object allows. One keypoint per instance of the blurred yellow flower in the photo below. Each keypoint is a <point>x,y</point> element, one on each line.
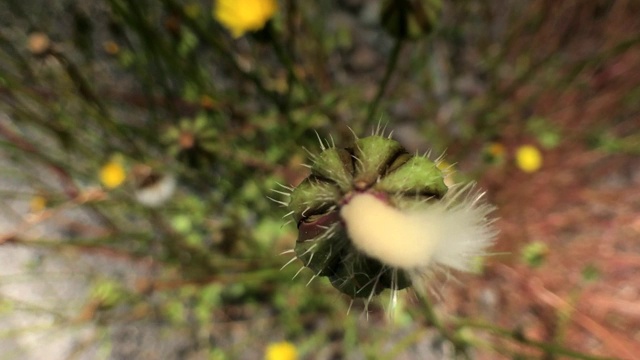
<point>37,203</point>
<point>281,351</point>
<point>38,43</point>
<point>112,174</point>
<point>528,158</point>
<point>496,149</point>
<point>494,153</point>
<point>240,16</point>
<point>111,47</point>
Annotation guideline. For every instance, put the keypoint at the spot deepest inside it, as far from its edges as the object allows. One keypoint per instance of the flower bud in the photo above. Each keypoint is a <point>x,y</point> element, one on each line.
<point>409,19</point>
<point>372,217</point>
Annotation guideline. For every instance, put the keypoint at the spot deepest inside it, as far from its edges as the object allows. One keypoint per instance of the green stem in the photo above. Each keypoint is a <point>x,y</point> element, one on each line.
<point>286,60</point>
<point>86,92</point>
<point>548,348</point>
<point>391,65</point>
<point>459,344</point>
<point>405,343</point>
<point>211,40</point>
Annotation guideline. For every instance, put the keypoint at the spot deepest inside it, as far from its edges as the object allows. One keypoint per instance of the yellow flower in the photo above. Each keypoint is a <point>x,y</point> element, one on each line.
<point>111,47</point>
<point>240,16</point>
<point>38,43</point>
<point>38,203</point>
<point>528,158</point>
<point>112,174</point>
<point>494,153</point>
<point>281,351</point>
<point>496,149</point>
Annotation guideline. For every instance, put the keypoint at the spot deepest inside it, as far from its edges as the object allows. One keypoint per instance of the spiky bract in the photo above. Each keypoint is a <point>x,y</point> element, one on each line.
<point>375,165</point>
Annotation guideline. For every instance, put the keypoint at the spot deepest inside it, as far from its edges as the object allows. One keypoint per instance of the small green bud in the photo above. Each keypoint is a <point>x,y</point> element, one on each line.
<point>409,19</point>
<point>535,254</point>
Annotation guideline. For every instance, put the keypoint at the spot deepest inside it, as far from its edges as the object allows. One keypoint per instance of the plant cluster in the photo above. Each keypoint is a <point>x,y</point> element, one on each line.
<point>153,132</point>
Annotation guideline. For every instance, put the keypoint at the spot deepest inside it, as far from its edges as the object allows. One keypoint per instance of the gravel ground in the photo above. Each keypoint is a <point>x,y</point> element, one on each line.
<point>43,295</point>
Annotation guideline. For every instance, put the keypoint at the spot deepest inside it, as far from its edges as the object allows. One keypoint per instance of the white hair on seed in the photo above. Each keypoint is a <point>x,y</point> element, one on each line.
<point>449,232</point>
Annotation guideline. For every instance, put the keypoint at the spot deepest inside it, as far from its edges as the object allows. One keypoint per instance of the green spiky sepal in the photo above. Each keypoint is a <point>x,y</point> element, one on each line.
<point>377,165</point>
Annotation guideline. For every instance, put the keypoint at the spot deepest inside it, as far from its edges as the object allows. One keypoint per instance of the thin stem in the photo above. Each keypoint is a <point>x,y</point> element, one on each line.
<point>86,92</point>
<point>58,168</point>
<point>211,40</point>
<point>404,344</point>
<point>391,65</point>
<point>285,59</point>
<point>548,348</point>
<point>460,346</point>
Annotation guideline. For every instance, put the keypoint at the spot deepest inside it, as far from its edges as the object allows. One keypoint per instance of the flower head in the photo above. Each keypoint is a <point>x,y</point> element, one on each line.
<point>372,216</point>
<point>193,141</point>
<point>496,149</point>
<point>112,174</point>
<point>111,47</point>
<point>152,188</point>
<point>528,158</point>
<point>38,43</point>
<point>281,351</point>
<point>240,16</point>
<point>447,232</point>
<point>38,203</point>
<point>494,153</point>
<point>409,19</point>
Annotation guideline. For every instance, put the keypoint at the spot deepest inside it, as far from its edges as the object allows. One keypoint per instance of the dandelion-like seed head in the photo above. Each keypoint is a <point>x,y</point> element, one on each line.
<point>152,188</point>
<point>373,216</point>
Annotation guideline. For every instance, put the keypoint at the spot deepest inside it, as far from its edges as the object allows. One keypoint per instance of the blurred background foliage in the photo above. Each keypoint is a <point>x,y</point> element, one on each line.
<point>140,142</point>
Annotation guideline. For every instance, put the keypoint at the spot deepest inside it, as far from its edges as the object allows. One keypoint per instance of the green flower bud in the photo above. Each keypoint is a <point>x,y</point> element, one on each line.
<point>372,217</point>
<point>373,164</point>
<point>409,19</point>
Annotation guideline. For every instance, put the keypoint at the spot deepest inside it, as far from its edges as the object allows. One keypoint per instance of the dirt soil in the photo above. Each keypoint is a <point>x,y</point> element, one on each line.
<point>584,204</point>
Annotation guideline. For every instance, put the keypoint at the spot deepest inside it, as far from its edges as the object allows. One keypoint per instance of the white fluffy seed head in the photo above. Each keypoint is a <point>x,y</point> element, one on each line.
<point>157,193</point>
<point>448,232</point>
<point>385,233</point>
